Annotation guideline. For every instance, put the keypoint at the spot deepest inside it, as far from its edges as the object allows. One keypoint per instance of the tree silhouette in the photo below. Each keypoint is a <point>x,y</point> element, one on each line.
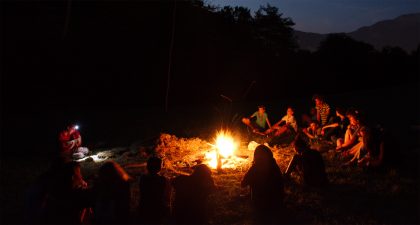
<point>274,30</point>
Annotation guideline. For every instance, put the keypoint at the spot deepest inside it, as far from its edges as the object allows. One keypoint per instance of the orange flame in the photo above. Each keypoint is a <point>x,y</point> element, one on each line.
<point>225,146</point>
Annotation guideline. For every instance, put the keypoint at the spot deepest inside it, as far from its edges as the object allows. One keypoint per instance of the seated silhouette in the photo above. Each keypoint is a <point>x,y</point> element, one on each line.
<point>191,196</point>
<point>112,195</point>
<point>310,163</point>
<point>266,182</point>
<point>154,194</point>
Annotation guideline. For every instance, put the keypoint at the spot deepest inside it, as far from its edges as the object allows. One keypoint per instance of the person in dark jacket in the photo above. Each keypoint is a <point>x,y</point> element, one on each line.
<point>67,196</point>
<point>112,195</point>
<point>191,196</point>
<point>266,182</point>
<point>310,163</point>
<point>154,194</point>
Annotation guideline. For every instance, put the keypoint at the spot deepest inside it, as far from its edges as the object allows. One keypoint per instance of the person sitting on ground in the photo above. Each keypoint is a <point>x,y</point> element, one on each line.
<point>287,123</point>
<point>191,196</point>
<point>286,127</point>
<point>337,128</point>
<point>71,142</point>
<point>266,182</point>
<point>353,145</point>
<point>39,197</point>
<point>374,143</point>
<point>322,109</point>
<point>258,126</point>
<point>313,132</point>
<point>307,119</point>
<point>310,163</point>
<point>154,194</point>
<point>112,195</point>
<point>68,197</point>
<point>352,135</point>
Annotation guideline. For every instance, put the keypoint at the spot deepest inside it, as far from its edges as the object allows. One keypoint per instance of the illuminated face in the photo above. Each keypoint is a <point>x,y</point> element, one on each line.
<point>290,112</point>
<point>261,110</point>
<point>313,126</point>
<point>353,121</point>
<point>71,129</point>
<point>318,102</point>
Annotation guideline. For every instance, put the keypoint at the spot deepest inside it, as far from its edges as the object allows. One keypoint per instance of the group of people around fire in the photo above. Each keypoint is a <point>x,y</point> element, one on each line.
<point>347,130</point>
<point>62,196</point>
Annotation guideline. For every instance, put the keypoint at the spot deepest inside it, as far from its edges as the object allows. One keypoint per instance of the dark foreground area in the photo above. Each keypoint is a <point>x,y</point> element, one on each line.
<point>354,196</point>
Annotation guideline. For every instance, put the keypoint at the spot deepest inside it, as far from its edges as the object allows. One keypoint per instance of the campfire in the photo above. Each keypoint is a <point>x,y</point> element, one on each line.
<point>223,152</point>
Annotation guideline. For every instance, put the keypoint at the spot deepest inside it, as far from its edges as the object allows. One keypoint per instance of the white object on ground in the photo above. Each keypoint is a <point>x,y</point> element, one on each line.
<point>80,153</point>
<point>252,145</point>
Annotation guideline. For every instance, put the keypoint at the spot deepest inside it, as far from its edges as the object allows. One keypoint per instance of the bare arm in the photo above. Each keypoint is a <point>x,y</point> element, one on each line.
<point>268,122</point>
<point>305,130</point>
<point>79,141</point>
<point>330,126</point>
<point>352,139</point>
<point>70,144</point>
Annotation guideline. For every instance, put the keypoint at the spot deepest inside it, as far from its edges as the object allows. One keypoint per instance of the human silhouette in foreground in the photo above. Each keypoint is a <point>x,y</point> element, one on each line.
<point>266,182</point>
<point>191,196</point>
<point>154,194</point>
<point>68,197</point>
<point>310,163</point>
<point>112,195</point>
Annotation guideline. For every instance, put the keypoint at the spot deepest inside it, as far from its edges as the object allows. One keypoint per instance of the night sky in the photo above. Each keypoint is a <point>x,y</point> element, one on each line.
<point>331,16</point>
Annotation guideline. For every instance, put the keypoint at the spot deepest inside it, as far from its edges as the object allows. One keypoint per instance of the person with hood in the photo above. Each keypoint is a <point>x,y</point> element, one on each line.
<point>191,196</point>
<point>266,182</point>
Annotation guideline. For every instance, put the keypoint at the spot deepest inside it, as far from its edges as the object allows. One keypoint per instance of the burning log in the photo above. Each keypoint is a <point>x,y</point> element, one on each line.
<point>190,152</point>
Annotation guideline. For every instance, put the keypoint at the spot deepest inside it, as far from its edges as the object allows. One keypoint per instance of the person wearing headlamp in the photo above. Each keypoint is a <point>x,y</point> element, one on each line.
<point>71,142</point>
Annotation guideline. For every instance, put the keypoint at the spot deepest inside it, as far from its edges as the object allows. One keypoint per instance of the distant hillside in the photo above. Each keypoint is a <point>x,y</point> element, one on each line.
<point>309,41</point>
<point>403,31</point>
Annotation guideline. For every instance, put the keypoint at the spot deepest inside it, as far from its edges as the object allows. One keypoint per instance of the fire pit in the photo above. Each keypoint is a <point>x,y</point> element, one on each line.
<point>226,152</point>
<point>222,154</point>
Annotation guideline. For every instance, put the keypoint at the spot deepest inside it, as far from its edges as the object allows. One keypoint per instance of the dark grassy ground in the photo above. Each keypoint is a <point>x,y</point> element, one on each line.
<point>355,196</point>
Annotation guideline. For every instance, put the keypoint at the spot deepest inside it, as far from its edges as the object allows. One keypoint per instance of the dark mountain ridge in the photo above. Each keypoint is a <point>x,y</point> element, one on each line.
<point>403,32</point>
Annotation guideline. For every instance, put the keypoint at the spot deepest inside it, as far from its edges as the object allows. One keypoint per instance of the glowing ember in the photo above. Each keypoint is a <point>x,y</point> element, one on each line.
<point>225,146</point>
